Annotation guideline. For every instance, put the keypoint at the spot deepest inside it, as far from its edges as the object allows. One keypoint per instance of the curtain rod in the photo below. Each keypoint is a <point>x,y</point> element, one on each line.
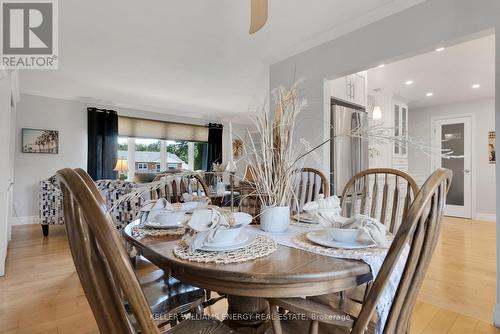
<point>99,109</point>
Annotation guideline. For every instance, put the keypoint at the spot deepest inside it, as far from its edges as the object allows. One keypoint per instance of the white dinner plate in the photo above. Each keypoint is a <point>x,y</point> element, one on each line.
<point>240,242</point>
<point>154,224</point>
<point>323,238</point>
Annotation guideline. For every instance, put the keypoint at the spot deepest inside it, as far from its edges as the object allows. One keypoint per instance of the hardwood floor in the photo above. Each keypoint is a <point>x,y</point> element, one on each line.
<point>41,292</point>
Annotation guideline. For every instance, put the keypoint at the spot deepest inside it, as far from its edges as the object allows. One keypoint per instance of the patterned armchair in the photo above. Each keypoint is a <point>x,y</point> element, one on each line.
<point>51,211</point>
<point>50,204</point>
<point>111,190</point>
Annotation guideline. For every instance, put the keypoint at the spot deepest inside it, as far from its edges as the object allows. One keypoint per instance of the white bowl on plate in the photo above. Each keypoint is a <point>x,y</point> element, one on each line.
<point>226,236</point>
<point>169,218</point>
<point>344,234</point>
<point>242,219</point>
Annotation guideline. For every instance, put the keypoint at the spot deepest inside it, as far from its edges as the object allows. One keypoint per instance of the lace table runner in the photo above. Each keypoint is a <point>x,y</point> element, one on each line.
<point>296,237</point>
<point>262,246</point>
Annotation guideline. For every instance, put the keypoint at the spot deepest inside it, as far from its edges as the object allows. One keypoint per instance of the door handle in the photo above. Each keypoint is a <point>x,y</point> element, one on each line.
<point>466,171</point>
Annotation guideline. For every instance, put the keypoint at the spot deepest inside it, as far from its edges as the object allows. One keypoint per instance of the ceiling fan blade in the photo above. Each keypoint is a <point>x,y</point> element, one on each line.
<point>258,16</point>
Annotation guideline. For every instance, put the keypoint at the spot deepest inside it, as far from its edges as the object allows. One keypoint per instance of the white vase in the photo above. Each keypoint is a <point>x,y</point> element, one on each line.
<point>275,219</point>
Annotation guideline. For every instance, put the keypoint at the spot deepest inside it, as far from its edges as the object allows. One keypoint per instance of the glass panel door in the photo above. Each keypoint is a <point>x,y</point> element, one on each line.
<point>454,137</point>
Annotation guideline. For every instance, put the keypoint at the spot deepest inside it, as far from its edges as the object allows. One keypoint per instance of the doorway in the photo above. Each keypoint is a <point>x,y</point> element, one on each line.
<point>454,135</point>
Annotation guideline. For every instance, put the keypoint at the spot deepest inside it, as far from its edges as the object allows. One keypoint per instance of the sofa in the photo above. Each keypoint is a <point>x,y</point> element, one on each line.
<point>51,207</point>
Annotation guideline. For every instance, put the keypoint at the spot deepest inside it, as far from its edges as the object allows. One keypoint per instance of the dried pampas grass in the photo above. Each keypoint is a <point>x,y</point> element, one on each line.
<point>275,156</point>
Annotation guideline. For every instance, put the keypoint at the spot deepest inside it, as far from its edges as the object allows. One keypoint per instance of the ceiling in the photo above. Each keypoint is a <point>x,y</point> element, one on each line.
<point>448,74</point>
<point>194,56</point>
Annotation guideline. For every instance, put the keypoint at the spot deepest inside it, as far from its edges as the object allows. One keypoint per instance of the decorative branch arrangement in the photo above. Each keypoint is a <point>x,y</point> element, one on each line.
<point>275,157</point>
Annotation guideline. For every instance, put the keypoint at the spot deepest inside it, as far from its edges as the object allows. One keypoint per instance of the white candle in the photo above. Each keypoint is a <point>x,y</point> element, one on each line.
<point>230,144</point>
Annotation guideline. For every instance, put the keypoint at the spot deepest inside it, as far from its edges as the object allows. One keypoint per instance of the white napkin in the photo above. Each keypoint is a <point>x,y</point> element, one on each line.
<point>203,226</point>
<point>195,198</point>
<point>322,202</point>
<point>373,230</point>
<point>188,206</point>
<point>159,204</point>
<point>153,207</point>
<point>326,210</point>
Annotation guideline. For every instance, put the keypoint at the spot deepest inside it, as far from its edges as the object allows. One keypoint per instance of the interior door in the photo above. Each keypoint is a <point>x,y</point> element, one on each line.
<point>454,134</point>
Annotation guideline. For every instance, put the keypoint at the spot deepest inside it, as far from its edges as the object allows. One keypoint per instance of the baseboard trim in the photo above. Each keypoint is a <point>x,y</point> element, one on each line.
<point>489,217</point>
<point>496,315</point>
<point>27,220</point>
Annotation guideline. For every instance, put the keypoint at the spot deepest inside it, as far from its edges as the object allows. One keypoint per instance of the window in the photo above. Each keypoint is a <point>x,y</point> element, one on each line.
<point>155,156</point>
<point>123,153</point>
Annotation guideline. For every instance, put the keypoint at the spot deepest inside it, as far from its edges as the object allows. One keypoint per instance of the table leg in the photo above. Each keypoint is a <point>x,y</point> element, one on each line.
<point>247,311</point>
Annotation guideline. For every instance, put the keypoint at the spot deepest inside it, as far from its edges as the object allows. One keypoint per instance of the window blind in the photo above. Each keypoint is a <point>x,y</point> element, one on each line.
<point>146,128</point>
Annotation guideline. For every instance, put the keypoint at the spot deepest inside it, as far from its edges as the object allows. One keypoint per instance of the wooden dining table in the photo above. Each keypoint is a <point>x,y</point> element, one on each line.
<point>288,272</point>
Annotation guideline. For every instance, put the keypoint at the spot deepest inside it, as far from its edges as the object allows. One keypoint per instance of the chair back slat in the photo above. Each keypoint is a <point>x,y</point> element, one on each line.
<point>373,211</point>
<point>418,234</point>
<point>354,198</point>
<point>192,184</point>
<point>364,197</point>
<point>309,184</point>
<point>407,199</point>
<point>385,193</point>
<point>395,208</point>
<point>101,261</point>
<point>377,193</point>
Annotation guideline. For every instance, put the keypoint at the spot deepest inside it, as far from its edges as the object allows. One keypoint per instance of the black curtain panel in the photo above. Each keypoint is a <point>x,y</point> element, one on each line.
<point>102,143</point>
<point>214,144</point>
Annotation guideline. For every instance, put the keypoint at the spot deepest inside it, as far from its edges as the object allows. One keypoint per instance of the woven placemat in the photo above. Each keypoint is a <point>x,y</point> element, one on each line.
<point>262,246</point>
<point>141,230</point>
<point>303,242</point>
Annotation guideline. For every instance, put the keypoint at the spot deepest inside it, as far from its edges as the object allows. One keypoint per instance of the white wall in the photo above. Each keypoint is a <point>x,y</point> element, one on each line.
<point>396,37</point>
<point>5,164</point>
<point>420,126</point>
<point>70,119</point>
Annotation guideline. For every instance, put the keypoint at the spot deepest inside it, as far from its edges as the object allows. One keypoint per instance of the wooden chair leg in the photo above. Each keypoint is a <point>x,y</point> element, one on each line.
<point>313,327</point>
<point>275,319</point>
<point>45,230</point>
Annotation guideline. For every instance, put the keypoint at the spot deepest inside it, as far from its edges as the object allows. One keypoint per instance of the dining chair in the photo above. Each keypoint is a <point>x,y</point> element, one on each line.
<point>309,185</point>
<point>193,184</point>
<point>102,264</point>
<point>165,294</point>
<point>418,234</point>
<point>381,193</point>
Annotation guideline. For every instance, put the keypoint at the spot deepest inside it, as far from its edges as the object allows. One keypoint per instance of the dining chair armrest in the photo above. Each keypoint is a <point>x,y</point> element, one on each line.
<point>315,311</point>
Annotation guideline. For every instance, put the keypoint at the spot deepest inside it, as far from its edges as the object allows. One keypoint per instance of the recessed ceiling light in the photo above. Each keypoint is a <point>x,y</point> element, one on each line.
<point>429,94</point>
<point>381,65</point>
<point>439,49</point>
<point>409,82</point>
<point>476,86</point>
